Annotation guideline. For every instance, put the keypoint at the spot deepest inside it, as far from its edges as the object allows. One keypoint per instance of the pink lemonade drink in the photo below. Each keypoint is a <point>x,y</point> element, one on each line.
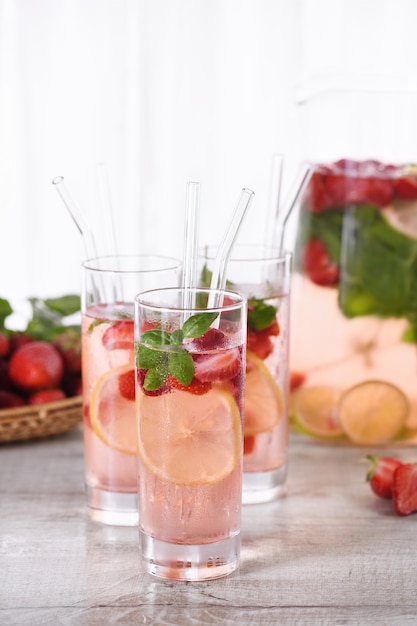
<point>108,372</point>
<point>354,313</point>
<point>190,377</point>
<point>263,277</point>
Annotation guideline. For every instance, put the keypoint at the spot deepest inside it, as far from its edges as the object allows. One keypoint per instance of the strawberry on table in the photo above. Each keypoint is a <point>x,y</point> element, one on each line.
<point>404,489</point>
<point>381,474</point>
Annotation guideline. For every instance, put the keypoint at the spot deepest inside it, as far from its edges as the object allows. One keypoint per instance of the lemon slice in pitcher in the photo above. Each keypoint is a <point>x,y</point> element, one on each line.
<point>373,412</point>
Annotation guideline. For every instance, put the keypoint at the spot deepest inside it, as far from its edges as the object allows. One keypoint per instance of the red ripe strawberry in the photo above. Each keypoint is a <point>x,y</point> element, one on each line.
<point>406,188</point>
<point>10,400</point>
<point>47,395</point>
<point>317,197</point>
<point>127,384</point>
<point>119,336</point>
<point>212,339</point>
<point>5,382</point>
<point>318,266</point>
<point>196,387</point>
<point>36,365</point>
<point>68,344</point>
<point>17,340</point>
<point>381,475</point>
<point>296,380</point>
<point>248,444</point>
<point>259,343</point>
<point>4,345</point>
<point>217,366</point>
<point>404,489</point>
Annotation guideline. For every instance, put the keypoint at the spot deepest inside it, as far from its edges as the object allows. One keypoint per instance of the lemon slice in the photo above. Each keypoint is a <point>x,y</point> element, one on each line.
<point>113,417</point>
<point>316,411</point>
<point>190,439</point>
<point>264,406</point>
<point>373,412</point>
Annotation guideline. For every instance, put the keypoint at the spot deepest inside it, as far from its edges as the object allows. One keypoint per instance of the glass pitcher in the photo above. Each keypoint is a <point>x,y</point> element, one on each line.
<point>354,305</point>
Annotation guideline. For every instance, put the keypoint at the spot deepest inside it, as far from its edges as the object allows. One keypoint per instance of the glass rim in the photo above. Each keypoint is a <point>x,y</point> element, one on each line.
<point>141,299</point>
<point>98,263</point>
<point>268,253</point>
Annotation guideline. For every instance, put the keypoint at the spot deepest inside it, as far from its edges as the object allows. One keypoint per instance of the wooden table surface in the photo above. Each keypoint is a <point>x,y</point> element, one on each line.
<point>328,553</point>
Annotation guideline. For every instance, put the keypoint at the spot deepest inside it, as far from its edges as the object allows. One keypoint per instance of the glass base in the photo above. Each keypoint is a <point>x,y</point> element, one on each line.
<point>110,507</point>
<point>190,562</point>
<point>261,487</point>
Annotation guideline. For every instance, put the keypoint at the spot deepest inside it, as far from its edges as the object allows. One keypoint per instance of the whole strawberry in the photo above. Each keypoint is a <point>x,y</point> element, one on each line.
<point>381,474</point>
<point>404,489</point>
<point>68,344</point>
<point>35,366</point>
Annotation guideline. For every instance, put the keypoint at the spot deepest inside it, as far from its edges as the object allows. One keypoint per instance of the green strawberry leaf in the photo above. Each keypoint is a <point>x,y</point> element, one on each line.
<point>197,325</point>
<point>181,366</point>
<point>65,305</point>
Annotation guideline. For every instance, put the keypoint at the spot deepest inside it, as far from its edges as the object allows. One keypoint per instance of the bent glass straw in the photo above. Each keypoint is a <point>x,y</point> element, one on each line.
<point>218,279</point>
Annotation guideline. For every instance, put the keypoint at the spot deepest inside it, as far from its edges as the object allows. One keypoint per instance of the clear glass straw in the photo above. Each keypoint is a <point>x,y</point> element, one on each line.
<point>274,197</point>
<point>218,279</point>
<point>192,219</point>
<point>293,196</point>
<point>78,217</point>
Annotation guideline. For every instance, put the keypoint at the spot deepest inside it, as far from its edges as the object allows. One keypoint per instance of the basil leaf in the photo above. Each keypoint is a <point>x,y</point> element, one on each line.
<point>260,314</point>
<point>147,357</point>
<point>156,338</point>
<point>181,366</point>
<point>196,325</point>
<point>155,377</point>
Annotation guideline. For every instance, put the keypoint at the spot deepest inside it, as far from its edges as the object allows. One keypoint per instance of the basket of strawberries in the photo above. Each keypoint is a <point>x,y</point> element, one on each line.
<point>40,370</point>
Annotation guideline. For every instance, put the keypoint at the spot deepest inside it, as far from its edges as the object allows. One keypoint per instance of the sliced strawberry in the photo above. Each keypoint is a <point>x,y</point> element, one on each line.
<point>404,489</point>
<point>318,265</point>
<point>119,336</point>
<point>217,366</point>
<point>381,474</point>
<point>406,187</point>
<point>248,444</point>
<point>196,387</point>
<point>47,395</point>
<point>318,198</point>
<point>126,383</point>
<point>296,380</point>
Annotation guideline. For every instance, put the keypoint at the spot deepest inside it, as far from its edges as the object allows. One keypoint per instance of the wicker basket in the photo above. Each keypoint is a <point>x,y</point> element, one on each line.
<point>32,422</point>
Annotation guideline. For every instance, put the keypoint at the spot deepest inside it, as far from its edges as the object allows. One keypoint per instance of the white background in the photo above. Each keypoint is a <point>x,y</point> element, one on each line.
<point>163,92</point>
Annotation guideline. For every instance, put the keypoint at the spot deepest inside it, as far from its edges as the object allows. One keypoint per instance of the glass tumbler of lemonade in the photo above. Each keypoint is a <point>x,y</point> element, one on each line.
<point>262,275</point>
<point>190,370</point>
<point>109,286</point>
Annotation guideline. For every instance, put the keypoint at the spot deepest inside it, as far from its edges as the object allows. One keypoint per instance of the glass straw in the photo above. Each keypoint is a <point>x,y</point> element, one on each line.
<point>78,217</point>
<point>274,197</point>
<point>218,279</point>
<point>192,217</point>
<point>284,212</point>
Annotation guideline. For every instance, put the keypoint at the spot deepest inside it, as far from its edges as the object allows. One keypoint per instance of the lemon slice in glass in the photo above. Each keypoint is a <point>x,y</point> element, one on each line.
<point>112,416</point>
<point>264,405</point>
<point>190,439</point>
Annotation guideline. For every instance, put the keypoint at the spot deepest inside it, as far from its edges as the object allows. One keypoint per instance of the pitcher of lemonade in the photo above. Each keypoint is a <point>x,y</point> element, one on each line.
<point>354,305</point>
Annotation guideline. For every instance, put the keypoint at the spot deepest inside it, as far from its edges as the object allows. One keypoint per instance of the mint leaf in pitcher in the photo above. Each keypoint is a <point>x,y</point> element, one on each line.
<point>260,314</point>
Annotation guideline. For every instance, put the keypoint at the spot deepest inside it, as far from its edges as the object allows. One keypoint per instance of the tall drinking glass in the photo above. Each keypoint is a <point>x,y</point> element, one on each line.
<point>109,285</point>
<point>190,360</point>
<point>262,275</point>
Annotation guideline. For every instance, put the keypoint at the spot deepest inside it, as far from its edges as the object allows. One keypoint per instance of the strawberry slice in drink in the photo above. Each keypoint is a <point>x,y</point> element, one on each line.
<point>318,265</point>
<point>217,366</point>
<point>119,336</point>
